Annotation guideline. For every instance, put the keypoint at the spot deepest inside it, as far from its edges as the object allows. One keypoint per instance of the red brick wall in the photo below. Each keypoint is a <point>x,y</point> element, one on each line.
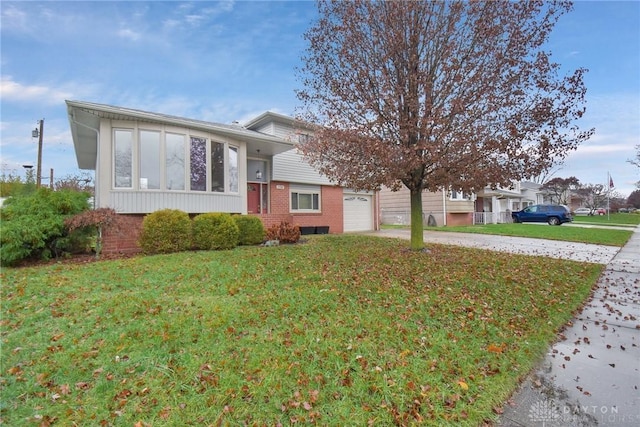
<point>331,210</point>
<point>454,219</point>
<point>125,239</point>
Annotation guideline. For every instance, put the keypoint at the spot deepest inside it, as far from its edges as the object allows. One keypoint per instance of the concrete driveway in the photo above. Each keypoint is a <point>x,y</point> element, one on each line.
<point>520,245</point>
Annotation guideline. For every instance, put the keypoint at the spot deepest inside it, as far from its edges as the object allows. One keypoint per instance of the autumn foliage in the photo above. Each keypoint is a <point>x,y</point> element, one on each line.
<point>284,232</point>
<point>432,95</point>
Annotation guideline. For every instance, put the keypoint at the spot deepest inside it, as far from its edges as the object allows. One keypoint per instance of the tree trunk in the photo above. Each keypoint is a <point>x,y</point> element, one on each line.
<point>417,232</point>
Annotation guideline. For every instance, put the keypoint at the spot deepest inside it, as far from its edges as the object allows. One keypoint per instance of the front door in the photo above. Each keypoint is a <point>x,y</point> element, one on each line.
<point>253,198</point>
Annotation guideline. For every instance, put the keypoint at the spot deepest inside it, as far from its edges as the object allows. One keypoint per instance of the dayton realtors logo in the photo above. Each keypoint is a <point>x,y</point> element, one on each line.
<point>548,413</point>
<point>544,411</point>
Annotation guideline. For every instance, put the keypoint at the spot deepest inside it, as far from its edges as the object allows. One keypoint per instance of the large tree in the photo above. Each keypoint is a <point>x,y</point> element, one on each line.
<point>559,189</point>
<point>437,95</point>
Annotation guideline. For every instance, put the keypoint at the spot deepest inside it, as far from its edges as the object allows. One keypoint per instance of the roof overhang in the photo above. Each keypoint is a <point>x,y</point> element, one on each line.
<point>84,119</point>
<point>500,193</point>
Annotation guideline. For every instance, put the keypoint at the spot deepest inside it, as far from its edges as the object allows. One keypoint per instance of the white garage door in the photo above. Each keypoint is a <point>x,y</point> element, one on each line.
<point>358,212</point>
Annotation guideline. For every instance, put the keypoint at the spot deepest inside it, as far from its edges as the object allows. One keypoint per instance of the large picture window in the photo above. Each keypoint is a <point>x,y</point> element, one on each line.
<point>145,159</point>
<point>217,167</point>
<point>174,162</point>
<point>149,160</point>
<point>198,158</point>
<point>123,173</point>
<point>233,170</point>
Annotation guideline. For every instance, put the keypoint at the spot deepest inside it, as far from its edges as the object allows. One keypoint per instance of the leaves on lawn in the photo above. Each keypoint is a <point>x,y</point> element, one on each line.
<point>334,330</point>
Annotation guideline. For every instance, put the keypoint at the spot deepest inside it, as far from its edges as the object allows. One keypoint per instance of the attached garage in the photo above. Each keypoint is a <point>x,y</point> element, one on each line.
<point>358,212</point>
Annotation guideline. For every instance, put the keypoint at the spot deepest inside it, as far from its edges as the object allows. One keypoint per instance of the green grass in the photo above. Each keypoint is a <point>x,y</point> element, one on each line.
<point>615,219</point>
<point>599,236</point>
<point>341,330</point>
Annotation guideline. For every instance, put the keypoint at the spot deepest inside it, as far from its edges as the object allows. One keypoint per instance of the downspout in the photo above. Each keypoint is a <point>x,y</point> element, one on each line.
<point>97,131</point>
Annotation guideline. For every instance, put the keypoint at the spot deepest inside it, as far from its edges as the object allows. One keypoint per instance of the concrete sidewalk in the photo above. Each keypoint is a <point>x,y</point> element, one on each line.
<point>591,376</point>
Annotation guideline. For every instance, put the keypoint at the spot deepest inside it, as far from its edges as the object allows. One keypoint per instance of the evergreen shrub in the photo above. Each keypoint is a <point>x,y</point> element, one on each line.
<point>215,230</point>
<point>165,231</point>
<point>33,225</point>
<point>251,229</point>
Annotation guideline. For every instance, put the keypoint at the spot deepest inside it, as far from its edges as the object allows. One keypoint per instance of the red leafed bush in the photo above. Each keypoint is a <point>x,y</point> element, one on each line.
<point>285,232</point>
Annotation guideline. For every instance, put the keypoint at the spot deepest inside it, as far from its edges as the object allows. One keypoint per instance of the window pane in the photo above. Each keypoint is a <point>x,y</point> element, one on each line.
<point>316,201</point>
<point>149,160</point>
<point>294,201</point>
<point>305,201</point>
<point>217,167</point>
<point>233,169</point>
<point>198,159</point>
<point>122,158</point>
<point>174,163</point>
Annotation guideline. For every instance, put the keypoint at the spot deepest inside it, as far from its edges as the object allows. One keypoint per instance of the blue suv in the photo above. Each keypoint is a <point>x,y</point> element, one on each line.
<point>552,214</point>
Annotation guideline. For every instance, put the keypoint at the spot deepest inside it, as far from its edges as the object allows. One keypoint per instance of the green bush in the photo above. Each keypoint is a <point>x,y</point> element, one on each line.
<point>251,229</point>
<point>215,230</point>
<point>165,231</point>
<point>33,225</point>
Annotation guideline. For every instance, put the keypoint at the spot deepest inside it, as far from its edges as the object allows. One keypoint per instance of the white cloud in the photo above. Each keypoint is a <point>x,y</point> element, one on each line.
<point>129,34</point>
<point>14,91</point>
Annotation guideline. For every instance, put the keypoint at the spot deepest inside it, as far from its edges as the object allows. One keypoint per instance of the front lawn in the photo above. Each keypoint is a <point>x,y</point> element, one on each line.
<point>598,236</point>
<point>615,219</point>
<point>340,330</point>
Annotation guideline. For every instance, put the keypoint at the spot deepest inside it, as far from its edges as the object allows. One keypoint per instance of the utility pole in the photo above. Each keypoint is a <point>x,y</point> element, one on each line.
<point>39,171</point>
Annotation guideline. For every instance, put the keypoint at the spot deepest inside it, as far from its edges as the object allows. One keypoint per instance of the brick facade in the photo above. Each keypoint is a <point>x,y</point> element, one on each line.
<point>126,239</point>
<point>331,210</point>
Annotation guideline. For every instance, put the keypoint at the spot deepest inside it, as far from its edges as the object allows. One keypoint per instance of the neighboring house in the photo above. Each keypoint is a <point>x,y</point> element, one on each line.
<point>494,206</point>
<point>489,206</point>
<point>146,161</point>
<point>439,208</point>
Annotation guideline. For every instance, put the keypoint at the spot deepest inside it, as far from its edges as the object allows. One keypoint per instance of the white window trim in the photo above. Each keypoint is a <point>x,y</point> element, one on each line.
<point>305,189</point>
<point>460,196</point>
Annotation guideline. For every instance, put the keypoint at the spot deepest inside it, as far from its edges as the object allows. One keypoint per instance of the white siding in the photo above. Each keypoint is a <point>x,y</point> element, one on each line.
<point>291,167</point>
<point>147,202</point>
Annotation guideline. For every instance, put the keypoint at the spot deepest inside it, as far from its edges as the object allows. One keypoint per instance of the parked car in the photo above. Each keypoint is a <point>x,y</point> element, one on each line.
<point>590,211</point>
<point>582,211</point>
<point>551,214</point>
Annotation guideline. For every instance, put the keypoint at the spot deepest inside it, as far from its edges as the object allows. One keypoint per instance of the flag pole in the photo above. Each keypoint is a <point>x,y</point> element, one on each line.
<point>608,200</point>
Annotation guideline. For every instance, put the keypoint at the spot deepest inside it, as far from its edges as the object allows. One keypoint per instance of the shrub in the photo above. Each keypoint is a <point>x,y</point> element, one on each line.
<point>33,225</point>
<point>215,230</point>
<point>251,229</point>
<point>165,231</point>
<point>285,232</point>
<point>94,221</point>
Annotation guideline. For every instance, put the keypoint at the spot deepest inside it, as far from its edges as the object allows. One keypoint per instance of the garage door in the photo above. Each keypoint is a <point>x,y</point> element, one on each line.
<point>358,212</point>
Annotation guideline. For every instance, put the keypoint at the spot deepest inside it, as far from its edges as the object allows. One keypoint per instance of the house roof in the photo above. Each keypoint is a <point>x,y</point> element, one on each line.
<point>84,119</point>
<point>500,193</point>
<point>270,116</point>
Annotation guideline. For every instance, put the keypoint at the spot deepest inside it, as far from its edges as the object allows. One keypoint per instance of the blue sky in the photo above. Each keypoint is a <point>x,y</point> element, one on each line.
<point>226,61</point>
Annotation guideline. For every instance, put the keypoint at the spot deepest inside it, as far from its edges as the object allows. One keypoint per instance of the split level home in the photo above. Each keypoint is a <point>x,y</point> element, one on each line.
<point>449,207</point>
<point>145,161</point>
